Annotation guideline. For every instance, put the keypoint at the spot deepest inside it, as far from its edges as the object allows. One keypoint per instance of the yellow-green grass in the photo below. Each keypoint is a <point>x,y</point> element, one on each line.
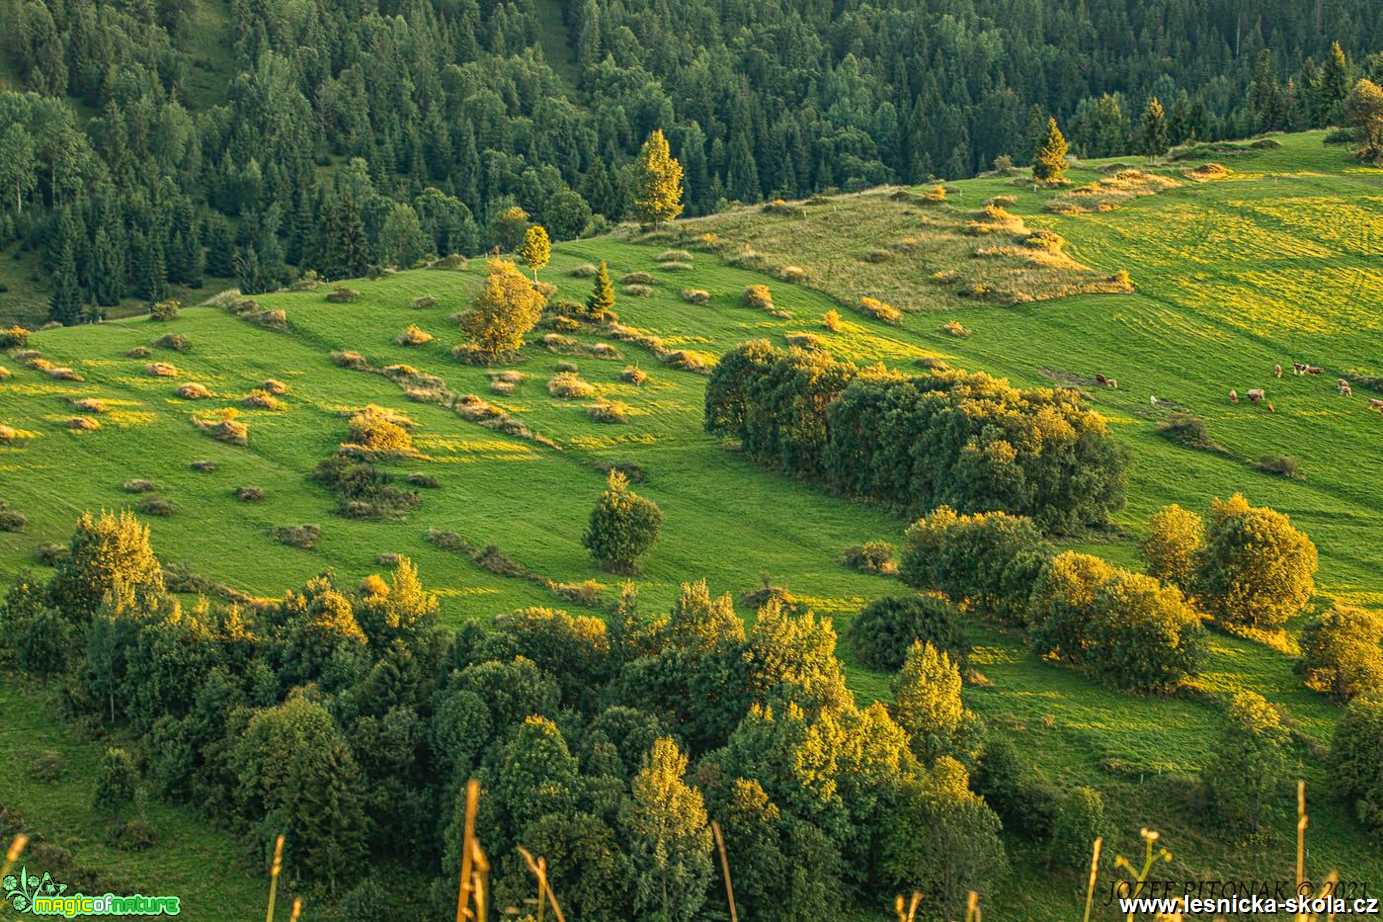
<point>1234,276</point>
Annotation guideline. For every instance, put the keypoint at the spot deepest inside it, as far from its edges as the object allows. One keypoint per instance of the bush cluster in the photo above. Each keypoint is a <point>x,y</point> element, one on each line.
<point>886,628</point>
<point>948,438</point>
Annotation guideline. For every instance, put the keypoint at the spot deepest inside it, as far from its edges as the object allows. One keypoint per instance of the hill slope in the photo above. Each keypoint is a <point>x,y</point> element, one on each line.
<point>1266,265</point>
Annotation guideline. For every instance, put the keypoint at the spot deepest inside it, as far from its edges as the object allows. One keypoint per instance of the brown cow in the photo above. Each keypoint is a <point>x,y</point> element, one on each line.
<point>1375,404</point>
<point>1256,394</point>
<point>1233,395</point>
<point>1344,388</point>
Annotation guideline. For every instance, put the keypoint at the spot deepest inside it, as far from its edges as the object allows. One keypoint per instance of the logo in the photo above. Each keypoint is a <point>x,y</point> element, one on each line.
<point>29,894</point>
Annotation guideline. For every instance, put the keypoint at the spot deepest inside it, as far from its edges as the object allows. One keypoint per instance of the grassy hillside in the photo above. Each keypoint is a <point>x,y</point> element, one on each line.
<point>1266,265</point>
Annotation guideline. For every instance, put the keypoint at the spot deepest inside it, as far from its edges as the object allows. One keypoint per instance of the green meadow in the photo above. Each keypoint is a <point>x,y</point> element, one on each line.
<point>1273,263</point>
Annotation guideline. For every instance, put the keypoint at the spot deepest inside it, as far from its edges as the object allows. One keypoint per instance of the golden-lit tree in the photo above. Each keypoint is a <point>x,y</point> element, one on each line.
<point>536,250</point>
<point>504,310</point>
<point>658,194</point>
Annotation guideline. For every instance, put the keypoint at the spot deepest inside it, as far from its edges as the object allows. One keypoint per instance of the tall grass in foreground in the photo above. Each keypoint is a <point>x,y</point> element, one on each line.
<point>472,896</point>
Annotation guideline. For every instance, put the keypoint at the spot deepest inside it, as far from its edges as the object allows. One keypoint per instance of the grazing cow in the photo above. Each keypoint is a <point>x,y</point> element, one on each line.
<point>1113,383</point>
<point>1270,407</point>
<point>1277,371</point>
<point>1299,368</point>
<point>1233,395</point>
<point>1375,404</point>
<point>1313,370</point>
<point>1344,387</point>
<point>1152,399</point>
<point>1100,379</point>
<point>1255,394</point>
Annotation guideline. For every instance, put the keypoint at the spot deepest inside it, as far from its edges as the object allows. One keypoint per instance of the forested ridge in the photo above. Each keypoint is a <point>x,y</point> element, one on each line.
<point>139,150</point>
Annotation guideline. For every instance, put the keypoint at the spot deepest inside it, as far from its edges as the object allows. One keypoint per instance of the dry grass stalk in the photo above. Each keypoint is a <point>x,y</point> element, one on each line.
<point>17,847</point>
<point>463,896</point>
<point>297,909</point>
<point>274,870</point>
<point>1094,873</point>
<point>546,896</point>
<point>725,870</point>
<point>972,908</point>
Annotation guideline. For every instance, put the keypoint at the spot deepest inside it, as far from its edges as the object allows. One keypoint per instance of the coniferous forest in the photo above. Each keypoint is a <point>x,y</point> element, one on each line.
<point>154,144</point>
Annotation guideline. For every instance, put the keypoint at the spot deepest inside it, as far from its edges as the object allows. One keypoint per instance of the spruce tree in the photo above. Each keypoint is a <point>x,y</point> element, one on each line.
<point>658,193</point>
<point>1049,163</point>
<point>65,306</point>
<point>602,299</point>
<point>1334,85</point>
<point>1152,132</point>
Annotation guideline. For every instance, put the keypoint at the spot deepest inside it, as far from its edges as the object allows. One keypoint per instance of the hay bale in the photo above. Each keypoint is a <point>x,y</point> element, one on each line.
<point>637,291</point>
<point>274,386</point>
<point>258,399</point>
<point>249,494</point>
<point>194,391</point>
<point>89,405</point>
<point>83,424</point>
<point>413,335</point>
<point>300,536</point>
<point>160,370</point>
<point>695,295</point>
<point>634,375</point>
<point>352,360</point>
<point>569,385</point>
<point>138,486</point>
<point>64,374</point>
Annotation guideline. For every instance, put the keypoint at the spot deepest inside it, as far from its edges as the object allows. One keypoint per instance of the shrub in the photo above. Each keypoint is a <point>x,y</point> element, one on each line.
<point>174,341</point>
<point>380,431</point>
<point>160,370</point>
<point>793,274</point>
<point>637,278</point>
<point>1141,634</point>
<point>134,835</point>
<point>955,328</point>
<point>1280,465</point>
<point>1187,430</point>
<point>426,481</point>
<point>1027,806</point>
<point>1175,536</point>
<point>870,557</point>
<point>116,783</point>
<point>89,405</point>
<point>12,520</point>
<point>424,301</point>
<point>260,399</point>
<point>413,335</point>
<point>249,494</point>
<point>759,297</point>
<point>623,526</point>
<point>83,424</point>
<point>633,374</point>
<point>569,384</point>
<point>301,536</point>
<point>165,310</point>
<point>877,255</point>
<point>695,296</point>
<point>64,374</point>
<point>637,291</point>
<point>880,310</point>
<point>156,505</point>
<point>988,559</point>
<point>886,628</point>
<point>224,427</point>
<point>583,271</point>
<point>50,555</point>
<point>352,360</point>
<point>676,266</point>
<point>1248,764</point>
<point>203,467</point>
<point>609,411</point>
<point>14,337</point>
<point>831,320</point>
<point>193,392</point>
<point>138,486</point>
<point>1079,821</point>
<point>675,256</point>
<point>340,294</point>
<point>1342,651</point>
<point>1256,568</point>
<point>804,340</point>
<point>1355,763</point>
<point>274,386</point>
<point>565,366</point>
<point>48,767</point>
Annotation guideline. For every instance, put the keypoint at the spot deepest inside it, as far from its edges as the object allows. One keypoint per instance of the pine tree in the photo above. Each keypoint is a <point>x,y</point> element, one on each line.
<point>536,250</point>
<point>346,247</point>
<point>65,306</point>
<point>108,268</point>
<point>742,174</point>
<point>602,299</point>
<point>1049,163</point>
<point>1334,85</point>
<point>658,189</point>
<point>1152,132</point>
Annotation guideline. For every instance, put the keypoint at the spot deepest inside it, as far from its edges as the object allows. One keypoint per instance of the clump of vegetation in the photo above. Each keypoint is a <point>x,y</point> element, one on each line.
<point>203,466</point>
<point>955,328</point>
<point>885,629</point>
<point>804,340</point>
<point>570,385</point>
<point>426,481</point>
<point>224,426</point>
<point>1248,764</point>
<point>1256,569</point>
<point>274,386</point>
<point>423,302</point>
<point>758,297</point>
<point>138,486</point>
<point>1175,537</point>
<point>174,341</point>
<point>609,411</point>
<point>1355,764</point>
<point>637,291</point>
<point>675,256</point>
<point>380,431</point>
<point>831,320</point>
<point>1189,431</point>
<point>156,505</point>
<point>139,352</point>
<point>413,335</point>
<point>877,255</point>
<point>352,360</point>
<point>165,310</point>
<point>363,491</point>
<point>880,310</point>
<point>260,399</point>
<point>1280,465</point>
<point>341,294</point>
<point>792,274</point>
<point>193,391</point>
<point>83,424</point>
<point>300,536</point>
<point>161,370</point>
<point>695,295</point>
<point>90,405</point>
<point>64,374</point>
<point>13,337</point>
<point>9,434</point>
<point>1207,171</point>
<point>48,767</point>
<point>50,555</point>
<point>249,494</point>
<point>623,526</point>
<point>11,519</point>
<point>871,557</point>
<point>1342,652</point>
<point>633,374</point>
<point>637,278</point>
<point>583,271</point>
